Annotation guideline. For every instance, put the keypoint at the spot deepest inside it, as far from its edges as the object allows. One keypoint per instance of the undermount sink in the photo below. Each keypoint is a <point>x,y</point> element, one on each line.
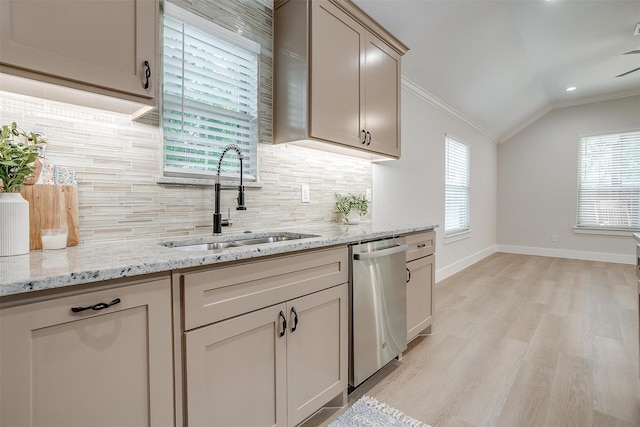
<point>268,239</point>
<point>224,242</point>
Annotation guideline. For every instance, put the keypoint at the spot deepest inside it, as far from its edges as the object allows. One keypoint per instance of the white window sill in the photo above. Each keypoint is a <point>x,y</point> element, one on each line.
<point>604,231</point>
<point>226,182</point>
<point>452,238</point>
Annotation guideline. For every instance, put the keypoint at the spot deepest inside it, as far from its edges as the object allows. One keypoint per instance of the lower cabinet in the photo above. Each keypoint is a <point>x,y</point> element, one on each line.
<point>420,280</point>
<point>271,367</point>
<point>265,342</point>
<point>419,296</point>
<point>109,364</point>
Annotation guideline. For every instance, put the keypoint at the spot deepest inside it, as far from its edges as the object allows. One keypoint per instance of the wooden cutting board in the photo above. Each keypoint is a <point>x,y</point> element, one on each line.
<point>52,206</point>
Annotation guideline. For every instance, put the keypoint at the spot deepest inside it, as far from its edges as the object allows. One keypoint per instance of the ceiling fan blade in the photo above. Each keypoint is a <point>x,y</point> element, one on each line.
<point>628,72</point>
<point>632,51</point>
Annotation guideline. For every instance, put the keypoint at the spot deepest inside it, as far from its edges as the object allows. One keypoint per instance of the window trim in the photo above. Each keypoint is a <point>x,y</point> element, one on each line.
<point>591,228</point>
<point>458,233</point>
<point>203,177</point>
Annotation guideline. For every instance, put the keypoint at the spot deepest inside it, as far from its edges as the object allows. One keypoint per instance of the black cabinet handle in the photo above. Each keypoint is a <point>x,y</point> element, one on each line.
<point>96,307</point>
<point>284,324</point>
<point>295,319</point>
<point>422,245</point>
<point>408,275</point>
<point>147,74</point>
<point>364,136</point>
<point>369,135</point>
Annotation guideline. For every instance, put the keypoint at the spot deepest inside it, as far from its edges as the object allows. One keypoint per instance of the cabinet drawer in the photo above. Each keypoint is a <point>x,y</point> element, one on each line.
<point>221,293</point>
<point>420,245</point>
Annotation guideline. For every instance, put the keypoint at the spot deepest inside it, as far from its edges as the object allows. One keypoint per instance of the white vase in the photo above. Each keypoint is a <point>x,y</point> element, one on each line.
<point>14,224</point>
<point>353,218</point>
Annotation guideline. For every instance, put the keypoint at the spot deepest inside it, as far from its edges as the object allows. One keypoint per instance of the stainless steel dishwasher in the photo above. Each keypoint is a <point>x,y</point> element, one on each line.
<point>378,318</point>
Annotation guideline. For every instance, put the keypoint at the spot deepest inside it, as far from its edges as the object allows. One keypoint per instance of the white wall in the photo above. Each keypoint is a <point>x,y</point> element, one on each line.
<point>537,183</point>
<point>412,189</point>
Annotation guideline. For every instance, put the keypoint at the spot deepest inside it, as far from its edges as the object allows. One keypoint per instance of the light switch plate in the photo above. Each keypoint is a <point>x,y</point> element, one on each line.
<point>305,193</point>
<point>368,195</point>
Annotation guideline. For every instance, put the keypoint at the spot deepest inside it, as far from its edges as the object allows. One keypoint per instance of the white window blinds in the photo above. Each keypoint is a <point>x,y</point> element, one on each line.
<point>210,96</point>
<point>609,181</point>
<point>456,187</point>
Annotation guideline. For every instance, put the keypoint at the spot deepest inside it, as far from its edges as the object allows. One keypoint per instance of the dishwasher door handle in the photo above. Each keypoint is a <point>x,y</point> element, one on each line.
<point>380,253</point>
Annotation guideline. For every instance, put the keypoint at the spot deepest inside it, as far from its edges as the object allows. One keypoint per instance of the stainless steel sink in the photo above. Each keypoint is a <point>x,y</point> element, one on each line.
<point>268,239</point>
<point>205,246</point>
<point>224,242</point>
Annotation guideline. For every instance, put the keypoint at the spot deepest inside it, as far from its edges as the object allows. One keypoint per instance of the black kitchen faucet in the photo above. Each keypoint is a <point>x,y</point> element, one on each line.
<point>218,222</point>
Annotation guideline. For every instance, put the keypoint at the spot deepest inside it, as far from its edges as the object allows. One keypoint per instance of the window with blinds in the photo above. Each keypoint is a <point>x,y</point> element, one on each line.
<point>609,181</point>
<point>210,96</point>
<point>456,204</point>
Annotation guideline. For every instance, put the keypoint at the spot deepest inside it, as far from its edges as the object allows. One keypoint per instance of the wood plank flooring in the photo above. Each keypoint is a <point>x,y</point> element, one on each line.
<point>521,341</point>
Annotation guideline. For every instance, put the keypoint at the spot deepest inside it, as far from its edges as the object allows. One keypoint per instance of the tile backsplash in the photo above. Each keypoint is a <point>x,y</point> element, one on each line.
<point>118,162</point>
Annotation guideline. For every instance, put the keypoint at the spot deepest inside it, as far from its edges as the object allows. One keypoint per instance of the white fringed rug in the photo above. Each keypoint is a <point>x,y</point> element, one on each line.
<point>368,412</point>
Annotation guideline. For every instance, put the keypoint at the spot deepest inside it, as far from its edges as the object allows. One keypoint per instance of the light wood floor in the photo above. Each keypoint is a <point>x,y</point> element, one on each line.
<point>521,341</point>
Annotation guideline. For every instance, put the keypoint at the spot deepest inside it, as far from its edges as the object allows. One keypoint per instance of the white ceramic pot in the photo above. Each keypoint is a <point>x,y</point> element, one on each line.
<point>353,218</point>
<point>14,224</point>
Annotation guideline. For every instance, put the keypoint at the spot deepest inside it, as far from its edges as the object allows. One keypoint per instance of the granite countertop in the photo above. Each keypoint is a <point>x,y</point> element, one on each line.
<point>89,263</point>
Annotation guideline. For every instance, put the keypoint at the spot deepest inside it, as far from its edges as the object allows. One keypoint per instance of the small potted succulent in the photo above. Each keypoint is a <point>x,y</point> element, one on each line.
<point>18,154</point>
<point>351,207</point>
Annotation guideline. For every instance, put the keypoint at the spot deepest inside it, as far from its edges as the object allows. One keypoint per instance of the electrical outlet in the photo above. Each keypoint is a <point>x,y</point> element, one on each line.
<point>305,193</point>
<point>554,237</point>
<point>368,194</point>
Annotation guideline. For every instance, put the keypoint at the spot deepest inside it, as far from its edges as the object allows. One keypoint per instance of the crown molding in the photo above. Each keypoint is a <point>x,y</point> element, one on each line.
<point>421,93</point>
<point>523,125</point>
<point>594,99</point>
<point>591,100</point>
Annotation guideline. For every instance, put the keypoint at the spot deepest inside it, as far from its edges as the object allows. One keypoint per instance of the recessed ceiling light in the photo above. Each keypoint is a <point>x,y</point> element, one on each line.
<point>571,89</point>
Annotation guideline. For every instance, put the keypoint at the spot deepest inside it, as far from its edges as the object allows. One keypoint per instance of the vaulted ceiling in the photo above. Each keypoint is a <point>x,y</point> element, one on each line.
<point>503,64</point>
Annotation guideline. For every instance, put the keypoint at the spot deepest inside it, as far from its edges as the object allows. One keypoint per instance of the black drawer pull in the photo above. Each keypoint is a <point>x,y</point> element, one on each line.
<point>295,319</point>
<point>147,74</point>
<point>422,245</point>
<point>284,324</point>
<point>408,275</point>
<point>96,307</point>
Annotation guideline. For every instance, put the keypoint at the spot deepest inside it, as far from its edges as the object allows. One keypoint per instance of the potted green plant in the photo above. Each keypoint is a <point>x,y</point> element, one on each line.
<point>18,153</point>
<point>351,207</point>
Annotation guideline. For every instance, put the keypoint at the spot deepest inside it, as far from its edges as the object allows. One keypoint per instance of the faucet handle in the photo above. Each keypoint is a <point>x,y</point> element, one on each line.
<point>227,222</point>
<point>241,206</point>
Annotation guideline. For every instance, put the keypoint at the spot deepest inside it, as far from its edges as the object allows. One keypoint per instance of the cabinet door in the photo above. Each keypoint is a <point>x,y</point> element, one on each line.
<point>101,43</point>
<point>419,295</point>
<point>317,346</point>
<point>382,87</point>
<point>336,89</point>
<point>111,367</point>
<point>236,371</point>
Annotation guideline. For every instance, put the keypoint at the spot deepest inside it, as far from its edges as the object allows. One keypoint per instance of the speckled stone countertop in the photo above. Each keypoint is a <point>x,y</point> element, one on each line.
<point>91,263</point>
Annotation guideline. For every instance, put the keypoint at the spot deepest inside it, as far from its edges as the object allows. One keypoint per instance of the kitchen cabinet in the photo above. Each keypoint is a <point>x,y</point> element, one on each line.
<point>101,46</point>
<point>106,366</point>
<point>420,280</point>
<point>337,79</point>
<point>270,335</point>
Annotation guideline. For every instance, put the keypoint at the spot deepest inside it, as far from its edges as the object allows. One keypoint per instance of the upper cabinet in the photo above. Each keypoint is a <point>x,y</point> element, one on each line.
<point>337,79</point>
<point>100,46</point>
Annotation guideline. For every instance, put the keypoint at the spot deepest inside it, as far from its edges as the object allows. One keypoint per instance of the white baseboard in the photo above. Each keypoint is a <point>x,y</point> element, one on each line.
<point>565,253</point>
<point>460,265</point>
